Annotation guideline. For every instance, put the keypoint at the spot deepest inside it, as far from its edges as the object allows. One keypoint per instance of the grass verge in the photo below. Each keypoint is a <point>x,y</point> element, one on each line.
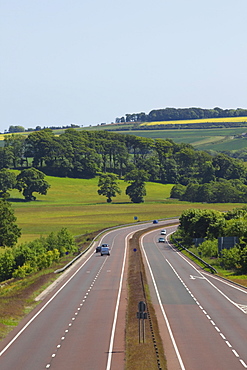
<point>214,262</point>
<point>17,296</point>
<point>150,354</point>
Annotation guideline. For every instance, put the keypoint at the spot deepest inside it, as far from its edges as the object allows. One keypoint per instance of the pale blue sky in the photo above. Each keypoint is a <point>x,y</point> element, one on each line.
<point>87,62</point>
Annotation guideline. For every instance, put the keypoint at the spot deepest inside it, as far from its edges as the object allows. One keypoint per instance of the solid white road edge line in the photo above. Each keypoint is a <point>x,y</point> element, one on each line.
<point>108,366</point>
<point>42,308</point>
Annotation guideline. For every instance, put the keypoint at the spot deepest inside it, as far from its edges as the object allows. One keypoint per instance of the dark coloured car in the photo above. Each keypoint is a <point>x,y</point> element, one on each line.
<point>98,249</point>
<point>155,221</point>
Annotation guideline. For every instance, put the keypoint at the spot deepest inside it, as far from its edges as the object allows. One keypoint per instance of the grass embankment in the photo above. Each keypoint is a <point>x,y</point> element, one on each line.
<point>215,263</point>
<point>139,355</point>
<point>17,296</point>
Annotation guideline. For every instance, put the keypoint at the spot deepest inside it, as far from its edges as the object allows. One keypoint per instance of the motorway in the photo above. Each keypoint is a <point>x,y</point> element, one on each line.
<point>205,315</point>
<point>80,324</point>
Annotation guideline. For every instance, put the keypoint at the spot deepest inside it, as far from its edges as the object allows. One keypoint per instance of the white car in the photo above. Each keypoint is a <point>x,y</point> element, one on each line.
<point>163,232</point>
<point>161,240</point>
<point>105,251</point>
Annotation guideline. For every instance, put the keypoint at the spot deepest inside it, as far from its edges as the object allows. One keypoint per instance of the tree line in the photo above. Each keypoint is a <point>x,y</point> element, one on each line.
<point>86,154</point>
<point>211,225</point>
<point>173,114</point>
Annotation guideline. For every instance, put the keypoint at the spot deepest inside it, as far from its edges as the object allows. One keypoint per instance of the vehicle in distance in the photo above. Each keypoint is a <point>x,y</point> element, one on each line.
<point>98,249</point>
<point>161,240</point>
<point>155,221</point>
<point>163,232</point>
<point>105,251</point>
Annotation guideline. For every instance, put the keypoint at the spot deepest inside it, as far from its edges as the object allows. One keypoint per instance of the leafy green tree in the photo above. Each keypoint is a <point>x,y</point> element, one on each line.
<point>136,190</point>
<point>236,227</point>
<point>108,186</point>
<point>209,248</point>
<point>177,191</point>
<point>15,143</point>
<point>198,223</point>
<point>169,171</point>
<point>38,146</point>
<point>7,182</point>
<point>236,213</point>
<point>7,263</point>
<point>9,231</point>
<point>31,180</point>
<point>65,242</point>
<point>6,158</point>
<point>191,193</point>
<point>16,129</point>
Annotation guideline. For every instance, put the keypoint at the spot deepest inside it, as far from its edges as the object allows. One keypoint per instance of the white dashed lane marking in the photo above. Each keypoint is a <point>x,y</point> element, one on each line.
<point>66,331</point>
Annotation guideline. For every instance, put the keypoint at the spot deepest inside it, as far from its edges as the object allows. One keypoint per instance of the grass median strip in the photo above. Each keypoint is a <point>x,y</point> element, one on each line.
<point>150,354</point>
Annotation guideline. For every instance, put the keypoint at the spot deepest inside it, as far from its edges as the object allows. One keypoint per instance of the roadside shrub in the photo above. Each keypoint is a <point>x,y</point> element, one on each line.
<point>46,259</point>
<point>235,259</point>
<point>23,271</point>
<point>209,248</point>
<point>7,263</point>
<point>27,258</point>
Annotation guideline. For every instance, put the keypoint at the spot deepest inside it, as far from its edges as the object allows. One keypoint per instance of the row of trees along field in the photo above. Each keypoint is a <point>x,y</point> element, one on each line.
<point>211,225</point>
<point>84,154</point>
<point>173,114</point>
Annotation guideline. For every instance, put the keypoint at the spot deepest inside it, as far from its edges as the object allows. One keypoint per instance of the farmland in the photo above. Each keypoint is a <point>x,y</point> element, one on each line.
<point>193,121</point>
<point>217,139</point>
<point>75,204</point>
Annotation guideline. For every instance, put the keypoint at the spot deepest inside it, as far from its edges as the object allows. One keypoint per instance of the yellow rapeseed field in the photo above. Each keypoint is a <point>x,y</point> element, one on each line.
<point>191,121</point>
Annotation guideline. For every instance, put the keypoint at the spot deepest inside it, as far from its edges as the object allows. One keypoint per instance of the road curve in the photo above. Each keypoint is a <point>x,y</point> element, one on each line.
<point>202,318</point>
<point>80,323</point>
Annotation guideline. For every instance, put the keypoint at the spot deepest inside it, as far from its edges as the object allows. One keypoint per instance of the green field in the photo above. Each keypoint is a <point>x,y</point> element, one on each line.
<point>203,139</point>
<point>75,204</point>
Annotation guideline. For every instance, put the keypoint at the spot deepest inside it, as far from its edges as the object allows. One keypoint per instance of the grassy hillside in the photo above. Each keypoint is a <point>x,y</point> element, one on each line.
<point>218,139</point>
<point>75,204</point>
<point>203,139</point>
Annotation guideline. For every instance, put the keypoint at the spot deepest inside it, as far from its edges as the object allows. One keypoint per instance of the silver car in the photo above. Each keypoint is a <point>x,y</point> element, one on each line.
<point>105,251</point>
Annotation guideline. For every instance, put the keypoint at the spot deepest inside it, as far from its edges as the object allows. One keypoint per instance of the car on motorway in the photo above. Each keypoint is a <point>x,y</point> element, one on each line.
<point>155,221</point>
<point>98,249</point>
<point>105,251</point>
<point>163,232</point>
<point>105,245</point>
<point>161,240</point>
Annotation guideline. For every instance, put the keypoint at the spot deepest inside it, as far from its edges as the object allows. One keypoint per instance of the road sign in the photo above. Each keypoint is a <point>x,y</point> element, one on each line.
<point>141,315</point>
<point>142,306</point>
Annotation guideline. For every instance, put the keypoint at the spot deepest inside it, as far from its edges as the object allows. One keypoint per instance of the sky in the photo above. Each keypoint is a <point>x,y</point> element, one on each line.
<point>86,62</point>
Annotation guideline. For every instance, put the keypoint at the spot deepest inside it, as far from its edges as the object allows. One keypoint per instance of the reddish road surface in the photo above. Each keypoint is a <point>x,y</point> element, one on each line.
<point>206,316</point>
<point>81,323</point>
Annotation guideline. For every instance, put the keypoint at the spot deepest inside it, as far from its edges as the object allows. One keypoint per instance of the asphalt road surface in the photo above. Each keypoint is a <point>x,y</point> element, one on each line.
<point>80,324</point>
<point>202,318</point>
